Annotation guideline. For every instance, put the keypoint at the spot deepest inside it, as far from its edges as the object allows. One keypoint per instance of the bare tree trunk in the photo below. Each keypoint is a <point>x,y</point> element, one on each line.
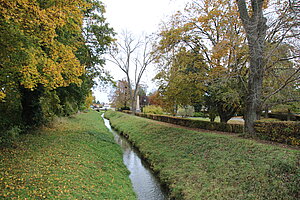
<point>130,90</point>
<point>133,102</point>
<point>255,26</point>
<point>255,80</point>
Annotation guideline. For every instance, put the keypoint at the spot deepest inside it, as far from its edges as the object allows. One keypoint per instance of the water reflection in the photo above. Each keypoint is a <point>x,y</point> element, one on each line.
<point>144,183</point>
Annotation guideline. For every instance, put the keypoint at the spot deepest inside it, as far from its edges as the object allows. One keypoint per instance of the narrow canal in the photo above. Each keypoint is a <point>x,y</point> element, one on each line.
<point>145,185</point>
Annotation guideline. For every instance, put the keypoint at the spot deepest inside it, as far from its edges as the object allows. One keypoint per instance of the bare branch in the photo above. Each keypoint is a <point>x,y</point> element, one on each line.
<point>122,56</point>
<point>243,11</point>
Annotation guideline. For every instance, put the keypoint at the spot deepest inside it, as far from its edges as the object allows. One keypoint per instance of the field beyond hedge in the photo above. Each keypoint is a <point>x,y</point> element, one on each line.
<point>76,158</point>
<point>210,166</point>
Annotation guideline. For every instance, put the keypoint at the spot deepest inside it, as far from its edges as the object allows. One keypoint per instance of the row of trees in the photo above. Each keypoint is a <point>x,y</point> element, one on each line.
<point>50,53</point>
<point>231,56</point>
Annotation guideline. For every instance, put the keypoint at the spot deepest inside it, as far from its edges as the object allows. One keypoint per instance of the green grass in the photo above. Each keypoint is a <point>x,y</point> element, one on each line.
<point>210,166</point>
<point>76,158</point>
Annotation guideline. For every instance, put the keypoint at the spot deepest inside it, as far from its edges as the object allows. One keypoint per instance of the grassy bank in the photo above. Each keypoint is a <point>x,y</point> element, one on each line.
<point>74,159</point>
<point>210,166</point>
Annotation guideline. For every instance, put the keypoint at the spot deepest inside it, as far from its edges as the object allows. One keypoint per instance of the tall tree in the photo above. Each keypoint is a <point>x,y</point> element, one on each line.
<point>263,43</point>
<point>43,59</point>
<point>132,56</point>
<point>206,33</point>
<point>255,25</point>
<point>181,85</point>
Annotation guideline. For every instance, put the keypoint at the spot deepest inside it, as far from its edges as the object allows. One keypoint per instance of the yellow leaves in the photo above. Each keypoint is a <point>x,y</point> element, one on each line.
<point>89,100</point>
<point>30,76</point>
<point>2,96</point>
<point>29,73</point>
<point>47,61</point>
<point>59,70</point>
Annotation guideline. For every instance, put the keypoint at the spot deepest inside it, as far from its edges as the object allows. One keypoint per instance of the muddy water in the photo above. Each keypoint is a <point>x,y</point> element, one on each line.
<point>144,182</point>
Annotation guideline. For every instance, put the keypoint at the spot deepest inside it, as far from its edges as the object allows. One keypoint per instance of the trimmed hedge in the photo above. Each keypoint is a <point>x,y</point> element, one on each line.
<point>283,132</point>
<point>285,116</point>
<point>216,126</point>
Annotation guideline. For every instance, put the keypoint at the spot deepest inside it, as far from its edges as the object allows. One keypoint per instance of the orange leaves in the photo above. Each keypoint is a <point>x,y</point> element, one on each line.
<point>220,50</point>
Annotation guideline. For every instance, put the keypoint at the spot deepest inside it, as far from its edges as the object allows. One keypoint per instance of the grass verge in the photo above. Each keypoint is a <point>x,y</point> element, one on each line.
<point>76,158</point>
<point>209,166</point>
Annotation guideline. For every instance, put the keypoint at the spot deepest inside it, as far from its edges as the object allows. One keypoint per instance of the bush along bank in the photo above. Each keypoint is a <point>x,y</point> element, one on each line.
<point>76,158</point>
<point>191,123</point>
<point>209,166</point>
<point>281,132</point>
<point>286,132</point>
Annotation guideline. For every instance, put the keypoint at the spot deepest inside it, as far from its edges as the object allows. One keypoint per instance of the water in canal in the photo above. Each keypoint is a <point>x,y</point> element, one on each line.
<point>144,183</point>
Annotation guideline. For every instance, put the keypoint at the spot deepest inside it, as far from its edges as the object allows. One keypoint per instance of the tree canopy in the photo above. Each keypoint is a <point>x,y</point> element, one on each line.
<point>51,52</point>
<point>239,68</point>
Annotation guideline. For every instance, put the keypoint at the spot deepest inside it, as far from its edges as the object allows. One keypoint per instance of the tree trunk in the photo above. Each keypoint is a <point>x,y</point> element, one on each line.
<point>226,115</point>
<point>256,73</point>
<point>133,103</point>
<point>131,96</point>
<point>224,118</point>
<point>31,108</point>
<point>266,114</point>
<point>256,28</point>
<point>289,115</point>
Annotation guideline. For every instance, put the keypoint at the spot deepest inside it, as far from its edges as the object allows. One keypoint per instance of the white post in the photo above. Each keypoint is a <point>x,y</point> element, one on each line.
<point>138,109</point>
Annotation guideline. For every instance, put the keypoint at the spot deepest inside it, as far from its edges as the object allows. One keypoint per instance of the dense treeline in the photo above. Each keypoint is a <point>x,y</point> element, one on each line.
<point>50,53</point>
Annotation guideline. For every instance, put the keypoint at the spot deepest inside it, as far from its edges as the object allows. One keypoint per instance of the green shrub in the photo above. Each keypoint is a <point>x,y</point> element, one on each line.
<point>284,116</point>
<point>125,108</point>
<point>283,132</point>
<point>200,114</point>
<point>187,111</point>
<point>8,137</point>
<point>69,108</point>
<point>50,104</point>
<point>127,111</point>
<point>153,109</point>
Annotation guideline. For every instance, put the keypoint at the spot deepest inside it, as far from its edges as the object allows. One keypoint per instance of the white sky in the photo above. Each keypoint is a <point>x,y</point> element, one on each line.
<point>137,17</point>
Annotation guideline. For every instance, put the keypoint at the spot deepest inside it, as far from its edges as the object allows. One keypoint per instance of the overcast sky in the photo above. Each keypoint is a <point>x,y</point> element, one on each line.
<point>137,17</point>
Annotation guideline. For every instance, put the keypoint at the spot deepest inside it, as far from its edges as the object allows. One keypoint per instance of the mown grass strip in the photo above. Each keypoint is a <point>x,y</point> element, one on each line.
<point>209,166</point>
<point>76,158</point>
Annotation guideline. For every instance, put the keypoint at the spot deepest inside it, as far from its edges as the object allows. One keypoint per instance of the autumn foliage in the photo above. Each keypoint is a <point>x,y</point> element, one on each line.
<point>205,61</point>
<point>47,58</point>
